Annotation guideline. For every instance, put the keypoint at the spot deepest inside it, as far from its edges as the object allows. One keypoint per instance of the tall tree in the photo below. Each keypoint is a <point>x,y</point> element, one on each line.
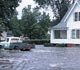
<point>59,7</point>
<point>7,9</point>
<point>28,19</point>
<point>14,26</point>
<point>34,24</point>
<point>44,22</point>
<point>37,32</point>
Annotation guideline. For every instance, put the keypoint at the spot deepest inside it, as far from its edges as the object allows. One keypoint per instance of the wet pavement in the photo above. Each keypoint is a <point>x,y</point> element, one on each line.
<point>41,58</point>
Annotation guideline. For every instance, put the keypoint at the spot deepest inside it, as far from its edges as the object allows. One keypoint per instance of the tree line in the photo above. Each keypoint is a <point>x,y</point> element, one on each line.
<point>32,24</point>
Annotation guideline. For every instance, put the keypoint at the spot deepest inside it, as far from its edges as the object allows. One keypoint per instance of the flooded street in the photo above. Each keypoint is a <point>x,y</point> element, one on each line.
<point>41,58</point>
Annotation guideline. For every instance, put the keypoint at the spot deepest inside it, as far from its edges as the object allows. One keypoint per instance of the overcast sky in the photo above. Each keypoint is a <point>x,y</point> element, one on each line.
<point>24,3</point>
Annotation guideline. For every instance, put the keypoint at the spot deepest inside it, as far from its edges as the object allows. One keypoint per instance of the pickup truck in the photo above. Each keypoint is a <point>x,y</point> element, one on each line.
<point>14,43</point>
<point>20,46</point>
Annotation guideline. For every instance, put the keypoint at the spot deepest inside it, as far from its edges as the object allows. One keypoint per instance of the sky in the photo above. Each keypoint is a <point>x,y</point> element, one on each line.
<point>25,3</point>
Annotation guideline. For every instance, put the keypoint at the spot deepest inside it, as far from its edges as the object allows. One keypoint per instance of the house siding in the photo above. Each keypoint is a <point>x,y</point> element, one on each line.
<point>70,24</point>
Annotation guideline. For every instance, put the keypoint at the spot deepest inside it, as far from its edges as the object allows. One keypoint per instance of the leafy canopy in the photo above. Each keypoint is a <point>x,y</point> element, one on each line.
<point>59,7</point>
<point>7,8</point>
<point>34,24</point>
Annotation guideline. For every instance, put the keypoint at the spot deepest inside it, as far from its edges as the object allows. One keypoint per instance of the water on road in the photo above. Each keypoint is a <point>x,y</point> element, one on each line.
<point>42,58</point>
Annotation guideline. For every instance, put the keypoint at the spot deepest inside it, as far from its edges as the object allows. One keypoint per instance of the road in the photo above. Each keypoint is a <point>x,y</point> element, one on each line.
<point>41,58</point>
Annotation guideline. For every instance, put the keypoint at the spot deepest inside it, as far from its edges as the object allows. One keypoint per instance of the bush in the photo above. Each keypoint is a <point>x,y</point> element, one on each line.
<point>48,44</point>
<point>60,45</point>
<point>38,41</point>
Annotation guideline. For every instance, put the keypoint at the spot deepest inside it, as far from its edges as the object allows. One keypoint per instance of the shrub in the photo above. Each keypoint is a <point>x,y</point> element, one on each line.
<point>38,41</point>
<point>48,45</point>
<point>60,45</point>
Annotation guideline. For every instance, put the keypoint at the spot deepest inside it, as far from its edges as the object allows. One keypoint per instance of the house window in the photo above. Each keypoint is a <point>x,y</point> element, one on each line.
<point>75,34</point>
<point>78,34</point>
<point>60,34</point>
<point>77,16</point>
<point>57,34</point>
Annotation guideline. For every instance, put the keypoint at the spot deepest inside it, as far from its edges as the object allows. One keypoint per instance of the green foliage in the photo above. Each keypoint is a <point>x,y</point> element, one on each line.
<point>37,32</point>
<point>34,24</point>
<point>14,26</point>
<point>59,7</point>
<point>48,45</point>
<point>55,22</point>
<point>44,22</point>
<point>7,8</point>
<point>28,19</point>
<point>62,7</point>
<point>1,25</point>
<point>38,41</point>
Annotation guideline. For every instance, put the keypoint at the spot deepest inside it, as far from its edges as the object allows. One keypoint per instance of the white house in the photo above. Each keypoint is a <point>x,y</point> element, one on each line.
<point>68,30</point>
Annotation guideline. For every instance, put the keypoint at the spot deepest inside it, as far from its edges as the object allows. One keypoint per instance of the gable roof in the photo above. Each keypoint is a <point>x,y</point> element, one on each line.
<point>63,23</point>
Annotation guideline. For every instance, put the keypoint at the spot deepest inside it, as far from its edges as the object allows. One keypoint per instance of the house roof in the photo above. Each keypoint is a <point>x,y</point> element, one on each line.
<point>63,23</point>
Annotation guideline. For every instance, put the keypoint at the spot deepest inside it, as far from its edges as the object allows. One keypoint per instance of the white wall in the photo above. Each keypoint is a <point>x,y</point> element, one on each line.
<point>71,23</point>
<point>52,34</point>
<point>65,41</point>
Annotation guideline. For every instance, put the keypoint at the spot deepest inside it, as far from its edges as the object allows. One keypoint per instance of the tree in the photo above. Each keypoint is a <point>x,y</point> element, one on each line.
<point>34,24</point>
<point>37,32</point>
<point>28,19</point>
<point>7,9</point>
<point>14,26</point>
<point>44,21</point>
<point>59,7</point>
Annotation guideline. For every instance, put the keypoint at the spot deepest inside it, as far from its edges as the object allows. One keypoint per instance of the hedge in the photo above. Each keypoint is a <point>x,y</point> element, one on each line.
<point>38,41</point>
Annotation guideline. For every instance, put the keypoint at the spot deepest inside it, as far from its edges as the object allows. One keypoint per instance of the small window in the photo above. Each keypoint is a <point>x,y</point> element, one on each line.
<point>73,34</point>
<point>77,16</point>
<point>78,34</point>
